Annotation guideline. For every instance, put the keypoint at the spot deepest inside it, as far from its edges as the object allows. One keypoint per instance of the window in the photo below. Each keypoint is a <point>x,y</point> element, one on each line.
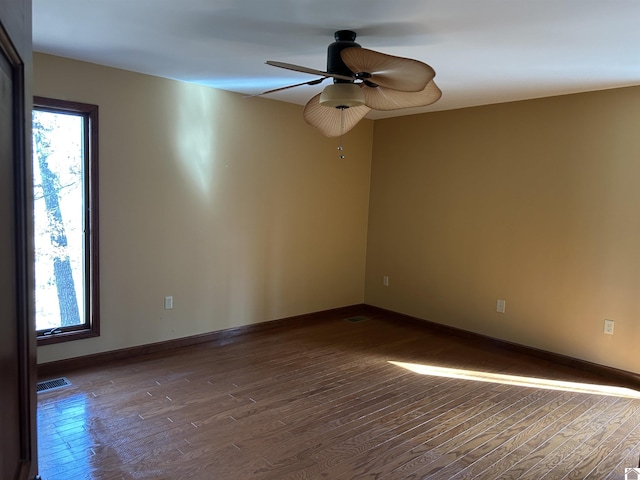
<point>65,218</point>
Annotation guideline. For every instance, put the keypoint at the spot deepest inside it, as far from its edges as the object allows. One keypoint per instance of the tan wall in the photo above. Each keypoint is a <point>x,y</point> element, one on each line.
<point>533,202</point>
<point>235,207</point>
<point>243,213</point>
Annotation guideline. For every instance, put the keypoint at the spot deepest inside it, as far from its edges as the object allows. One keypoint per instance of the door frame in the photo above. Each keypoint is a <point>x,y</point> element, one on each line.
<point>15,47</point>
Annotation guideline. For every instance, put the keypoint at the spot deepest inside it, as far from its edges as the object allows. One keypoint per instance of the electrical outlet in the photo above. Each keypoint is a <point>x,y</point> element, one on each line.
<point>168,303</point>
<point>608,327</point>
<point>500,305</point>
<point>385,281</point>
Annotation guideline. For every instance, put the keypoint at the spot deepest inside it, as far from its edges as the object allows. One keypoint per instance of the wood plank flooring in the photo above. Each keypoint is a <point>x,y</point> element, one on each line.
<point>320,400</point>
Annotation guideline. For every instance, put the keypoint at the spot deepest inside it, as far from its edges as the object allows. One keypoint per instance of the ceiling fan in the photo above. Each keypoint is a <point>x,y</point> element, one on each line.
<point>362,80</point>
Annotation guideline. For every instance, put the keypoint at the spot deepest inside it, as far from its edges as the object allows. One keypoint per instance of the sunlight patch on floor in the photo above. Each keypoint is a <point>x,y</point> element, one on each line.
<point>520,381</point>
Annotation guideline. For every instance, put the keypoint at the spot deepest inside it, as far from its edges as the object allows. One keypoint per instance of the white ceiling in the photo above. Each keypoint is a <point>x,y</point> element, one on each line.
<point>484,51</point>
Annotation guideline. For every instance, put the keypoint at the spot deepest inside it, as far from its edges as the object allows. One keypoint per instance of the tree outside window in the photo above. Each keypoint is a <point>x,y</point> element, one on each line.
<point>65,219</point>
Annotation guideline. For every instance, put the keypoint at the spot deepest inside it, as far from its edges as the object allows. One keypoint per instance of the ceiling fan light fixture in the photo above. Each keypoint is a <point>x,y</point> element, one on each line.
<point>342,95</point>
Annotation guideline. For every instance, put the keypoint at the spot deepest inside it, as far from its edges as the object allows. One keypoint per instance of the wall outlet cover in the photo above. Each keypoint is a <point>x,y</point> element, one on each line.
<point>168,303</point>
<point>608,327</point>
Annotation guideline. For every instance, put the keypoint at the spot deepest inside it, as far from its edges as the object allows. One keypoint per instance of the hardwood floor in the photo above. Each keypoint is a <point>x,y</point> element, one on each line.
<point>321,400</point>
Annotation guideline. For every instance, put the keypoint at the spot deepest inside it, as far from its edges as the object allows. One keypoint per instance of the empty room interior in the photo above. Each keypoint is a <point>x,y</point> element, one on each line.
<point>310,293</point>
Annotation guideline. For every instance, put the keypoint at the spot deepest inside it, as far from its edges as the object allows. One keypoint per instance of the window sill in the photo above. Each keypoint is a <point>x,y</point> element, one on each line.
<point>66,336</point>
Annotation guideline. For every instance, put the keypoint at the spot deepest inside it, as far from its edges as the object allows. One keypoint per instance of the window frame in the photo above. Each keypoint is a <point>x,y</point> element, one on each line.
<point>91,327</point>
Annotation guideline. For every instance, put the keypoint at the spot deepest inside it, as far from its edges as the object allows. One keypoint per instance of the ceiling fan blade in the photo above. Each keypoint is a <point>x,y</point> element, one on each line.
<point>312,82</point>
<point>398,73</point>
<point>328,120</point>
<point>381,98</point>
<point>312,71</point>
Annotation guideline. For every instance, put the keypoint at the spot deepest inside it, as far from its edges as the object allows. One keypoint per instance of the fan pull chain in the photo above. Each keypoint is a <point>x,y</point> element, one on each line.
<point>340,149</point>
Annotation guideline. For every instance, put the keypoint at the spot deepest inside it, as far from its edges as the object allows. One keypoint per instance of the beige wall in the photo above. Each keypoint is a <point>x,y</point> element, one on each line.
<point>235,207</point>
<point>243,213</point>
<point>533,202</point>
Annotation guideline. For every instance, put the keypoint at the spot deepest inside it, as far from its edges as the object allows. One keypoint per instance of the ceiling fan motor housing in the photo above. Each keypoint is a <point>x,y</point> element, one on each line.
<point>344,39</point>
